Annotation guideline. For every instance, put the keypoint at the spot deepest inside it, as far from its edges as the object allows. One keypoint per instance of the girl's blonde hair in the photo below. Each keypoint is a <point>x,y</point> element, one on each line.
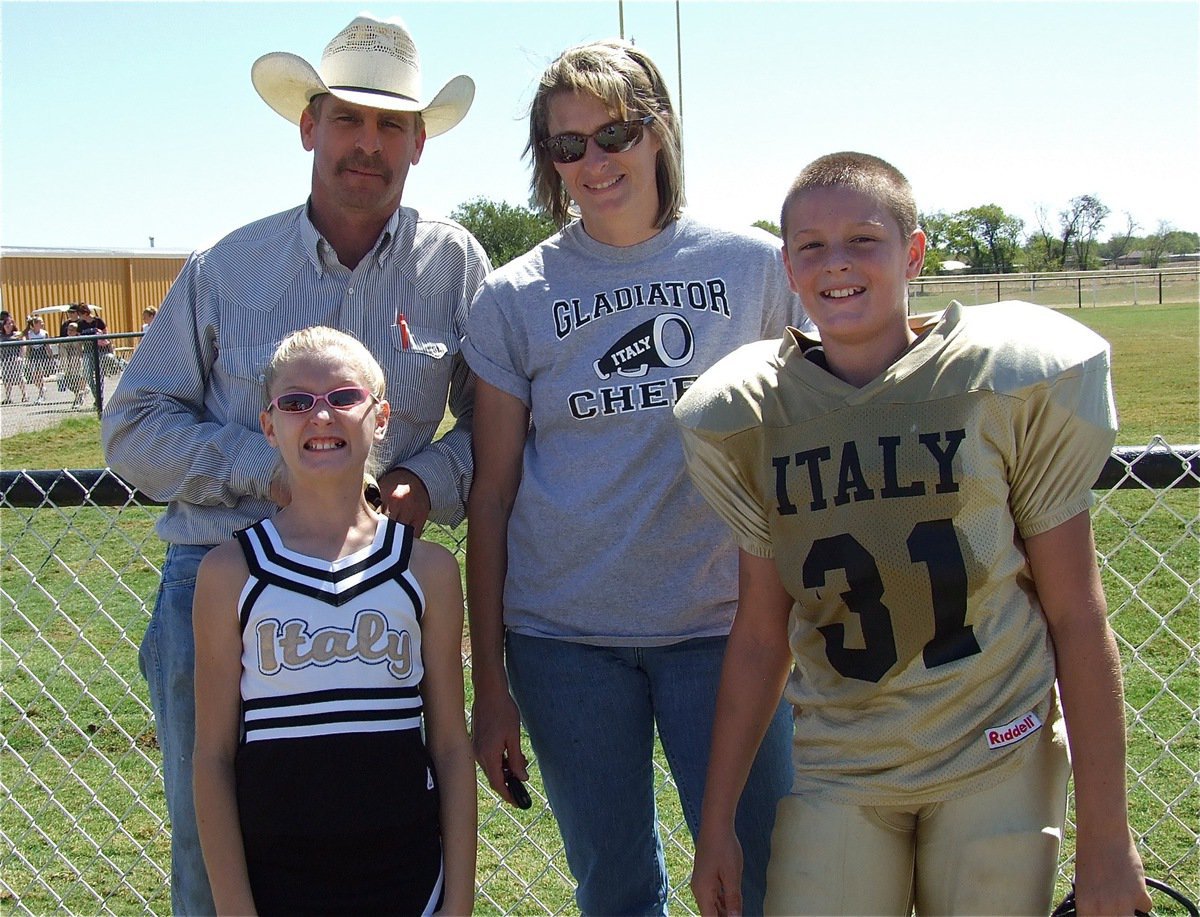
<point>331,345</point>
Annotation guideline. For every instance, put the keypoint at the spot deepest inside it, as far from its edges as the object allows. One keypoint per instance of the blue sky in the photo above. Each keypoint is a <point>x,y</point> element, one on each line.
<point>122,121</point>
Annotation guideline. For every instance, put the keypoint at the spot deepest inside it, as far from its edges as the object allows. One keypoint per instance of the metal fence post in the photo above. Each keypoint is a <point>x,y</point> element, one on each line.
<point>97,373</point>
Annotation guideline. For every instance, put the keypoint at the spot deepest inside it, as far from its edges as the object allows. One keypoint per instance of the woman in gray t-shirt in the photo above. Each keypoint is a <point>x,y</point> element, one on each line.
<point>601,587</point>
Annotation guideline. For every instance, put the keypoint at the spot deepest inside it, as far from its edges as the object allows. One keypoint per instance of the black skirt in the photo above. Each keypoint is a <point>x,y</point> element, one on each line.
<point>342,824</point>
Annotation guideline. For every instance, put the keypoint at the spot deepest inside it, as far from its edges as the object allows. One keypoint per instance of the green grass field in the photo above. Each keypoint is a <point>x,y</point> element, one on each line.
<point>79,752</point>
<point>1154,354</point>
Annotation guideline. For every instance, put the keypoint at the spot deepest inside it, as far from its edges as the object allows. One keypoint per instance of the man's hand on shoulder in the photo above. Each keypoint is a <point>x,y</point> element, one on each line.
<point>405,498</point>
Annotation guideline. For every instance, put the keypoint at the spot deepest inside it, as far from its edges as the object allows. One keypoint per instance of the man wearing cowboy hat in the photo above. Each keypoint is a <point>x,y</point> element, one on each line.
<point>182,425</point>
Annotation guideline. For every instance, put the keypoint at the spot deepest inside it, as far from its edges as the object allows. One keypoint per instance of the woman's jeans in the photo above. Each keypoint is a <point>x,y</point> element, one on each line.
<point>168,662</point>
<point>591,713</point>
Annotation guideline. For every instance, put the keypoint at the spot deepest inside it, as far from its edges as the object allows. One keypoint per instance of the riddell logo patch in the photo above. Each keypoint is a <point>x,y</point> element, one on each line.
<point>1010,733</point>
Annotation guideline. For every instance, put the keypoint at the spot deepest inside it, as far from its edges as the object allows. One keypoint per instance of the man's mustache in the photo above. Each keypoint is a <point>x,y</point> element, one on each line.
<point>359,163</point>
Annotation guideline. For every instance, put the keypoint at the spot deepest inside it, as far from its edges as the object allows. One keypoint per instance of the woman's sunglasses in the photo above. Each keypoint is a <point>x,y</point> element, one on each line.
<point>340,399</point>
<point>616,137</point>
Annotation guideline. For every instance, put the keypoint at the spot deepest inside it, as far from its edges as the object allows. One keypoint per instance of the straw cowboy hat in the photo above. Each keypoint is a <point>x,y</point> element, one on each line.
<point>371,62</point>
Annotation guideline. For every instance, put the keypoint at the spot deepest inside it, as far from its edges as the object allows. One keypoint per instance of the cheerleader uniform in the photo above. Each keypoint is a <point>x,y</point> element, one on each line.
<point>335,789</point>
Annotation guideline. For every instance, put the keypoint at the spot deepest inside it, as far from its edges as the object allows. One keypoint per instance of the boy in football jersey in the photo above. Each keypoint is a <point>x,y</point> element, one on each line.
<point>911,504</point>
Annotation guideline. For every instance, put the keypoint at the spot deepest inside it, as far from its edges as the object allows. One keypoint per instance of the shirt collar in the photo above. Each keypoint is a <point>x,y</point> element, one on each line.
<point>321,254</point>
<point>385,246</point>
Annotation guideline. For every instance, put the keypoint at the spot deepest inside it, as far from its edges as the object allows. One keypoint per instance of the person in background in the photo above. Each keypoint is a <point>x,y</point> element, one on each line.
<point>11,362</point>
<point>183,424</point>
<point>916,550</point>
<point>90,323</point>
<point>39,358</point>
<point>71,315</point>
<point>147,317</point>
<point>71,363</point>
<point>90,317</point>
<point>595,573</point>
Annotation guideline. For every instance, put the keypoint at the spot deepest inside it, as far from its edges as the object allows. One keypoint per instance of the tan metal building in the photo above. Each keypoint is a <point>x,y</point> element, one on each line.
<point>122,282</point>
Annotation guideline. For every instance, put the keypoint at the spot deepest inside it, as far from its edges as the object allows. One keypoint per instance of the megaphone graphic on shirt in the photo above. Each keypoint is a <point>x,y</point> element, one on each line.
<point>665,340</point>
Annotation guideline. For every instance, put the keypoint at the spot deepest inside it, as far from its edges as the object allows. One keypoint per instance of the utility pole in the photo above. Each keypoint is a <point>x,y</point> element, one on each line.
<point>678,46</point>
<point>679,59</point>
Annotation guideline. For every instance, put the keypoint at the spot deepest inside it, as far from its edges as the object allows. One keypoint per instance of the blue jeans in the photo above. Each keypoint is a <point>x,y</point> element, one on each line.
<point>590,712</point>
<point>168,663</point>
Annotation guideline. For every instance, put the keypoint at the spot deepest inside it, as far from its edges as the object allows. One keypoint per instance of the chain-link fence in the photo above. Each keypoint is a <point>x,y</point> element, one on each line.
<point>82,817</point>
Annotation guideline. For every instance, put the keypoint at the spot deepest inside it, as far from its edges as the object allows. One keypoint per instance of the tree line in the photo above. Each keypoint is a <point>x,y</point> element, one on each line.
<point>992,241</point>
<point>985,238</point>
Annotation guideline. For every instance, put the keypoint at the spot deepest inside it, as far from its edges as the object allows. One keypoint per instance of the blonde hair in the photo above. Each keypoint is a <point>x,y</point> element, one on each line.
<point>629,85</point>
<point>330,345</point>
<point>860,172</point>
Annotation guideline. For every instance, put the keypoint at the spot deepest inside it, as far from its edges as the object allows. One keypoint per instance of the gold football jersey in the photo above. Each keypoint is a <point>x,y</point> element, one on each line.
<point>895,514</point>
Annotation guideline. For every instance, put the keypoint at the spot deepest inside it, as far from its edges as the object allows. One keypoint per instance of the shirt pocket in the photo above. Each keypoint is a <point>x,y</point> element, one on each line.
<point>237,382</point>
<point>419,379</point>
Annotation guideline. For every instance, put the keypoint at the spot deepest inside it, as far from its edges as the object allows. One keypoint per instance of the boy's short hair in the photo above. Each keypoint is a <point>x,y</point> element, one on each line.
<point>860,172</point>
<point>627,82</point>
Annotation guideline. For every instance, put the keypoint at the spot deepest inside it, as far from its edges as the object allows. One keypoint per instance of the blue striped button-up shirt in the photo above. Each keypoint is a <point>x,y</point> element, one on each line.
<point>183,426</point>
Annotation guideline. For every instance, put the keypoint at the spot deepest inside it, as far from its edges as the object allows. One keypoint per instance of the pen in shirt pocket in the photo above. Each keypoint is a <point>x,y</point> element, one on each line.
<point>402,323</point>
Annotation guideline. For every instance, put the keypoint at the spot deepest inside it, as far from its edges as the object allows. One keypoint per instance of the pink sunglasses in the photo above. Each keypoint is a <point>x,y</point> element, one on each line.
<point>340,399</point>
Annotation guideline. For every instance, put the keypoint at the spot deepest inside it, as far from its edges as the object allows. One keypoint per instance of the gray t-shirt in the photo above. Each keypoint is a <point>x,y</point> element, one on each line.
<point>608,541</point>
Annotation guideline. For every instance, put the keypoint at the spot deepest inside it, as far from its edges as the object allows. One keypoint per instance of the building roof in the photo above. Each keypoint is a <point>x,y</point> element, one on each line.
<point>22,251</point>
